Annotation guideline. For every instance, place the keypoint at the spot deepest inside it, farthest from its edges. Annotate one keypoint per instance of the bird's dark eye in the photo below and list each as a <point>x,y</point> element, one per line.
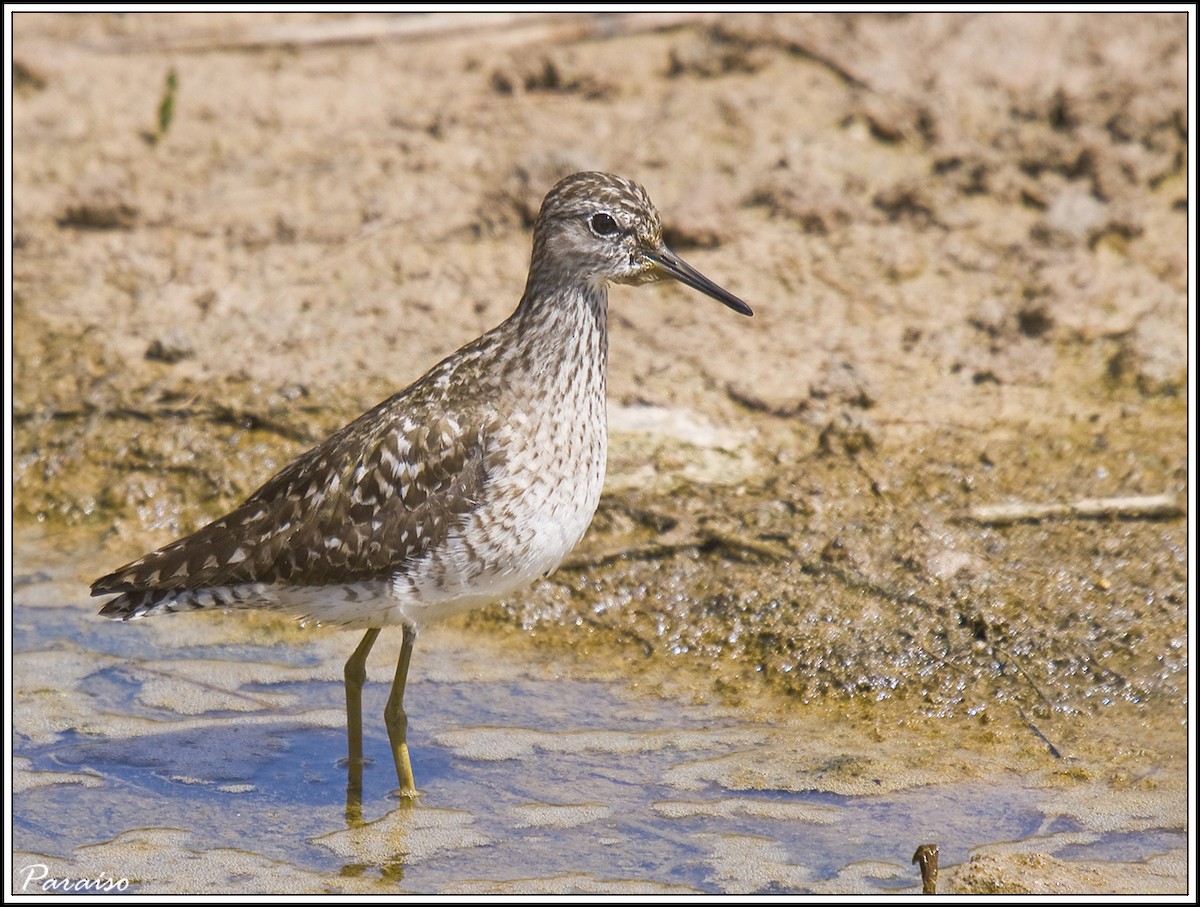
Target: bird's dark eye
<point>604,224</point>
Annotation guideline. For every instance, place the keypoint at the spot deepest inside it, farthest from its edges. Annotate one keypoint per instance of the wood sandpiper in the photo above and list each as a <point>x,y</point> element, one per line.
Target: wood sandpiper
<point>459,490</point>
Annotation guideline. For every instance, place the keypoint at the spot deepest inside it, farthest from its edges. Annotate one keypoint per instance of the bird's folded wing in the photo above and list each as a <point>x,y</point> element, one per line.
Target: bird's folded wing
<point>375,496</point>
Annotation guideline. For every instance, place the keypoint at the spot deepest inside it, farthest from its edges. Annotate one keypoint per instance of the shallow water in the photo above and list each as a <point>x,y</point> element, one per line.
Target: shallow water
<point>202,753</point>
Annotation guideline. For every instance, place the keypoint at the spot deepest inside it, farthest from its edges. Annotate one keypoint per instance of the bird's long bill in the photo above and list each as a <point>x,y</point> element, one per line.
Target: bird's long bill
<point>674,266</point>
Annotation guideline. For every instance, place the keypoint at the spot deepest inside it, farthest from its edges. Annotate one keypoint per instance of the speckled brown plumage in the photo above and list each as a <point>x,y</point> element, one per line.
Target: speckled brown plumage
<point>462,488</point>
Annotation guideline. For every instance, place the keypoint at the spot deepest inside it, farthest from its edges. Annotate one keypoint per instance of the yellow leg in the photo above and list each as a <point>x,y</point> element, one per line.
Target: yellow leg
<point>397,722</point>
<point>356,676</point>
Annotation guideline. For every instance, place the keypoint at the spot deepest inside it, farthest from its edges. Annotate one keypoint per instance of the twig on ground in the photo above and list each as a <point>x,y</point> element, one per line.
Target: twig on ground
<point>1140,506</point>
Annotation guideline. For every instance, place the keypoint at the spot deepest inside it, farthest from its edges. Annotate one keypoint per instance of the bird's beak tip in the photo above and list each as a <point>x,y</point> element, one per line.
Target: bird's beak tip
<point>668,264</point>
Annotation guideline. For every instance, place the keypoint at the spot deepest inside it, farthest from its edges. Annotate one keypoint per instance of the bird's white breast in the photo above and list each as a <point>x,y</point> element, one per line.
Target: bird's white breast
<point>542,492</point>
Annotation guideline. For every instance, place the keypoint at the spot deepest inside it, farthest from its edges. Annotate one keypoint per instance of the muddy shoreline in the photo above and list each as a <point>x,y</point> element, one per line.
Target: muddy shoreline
<point>965,240</point>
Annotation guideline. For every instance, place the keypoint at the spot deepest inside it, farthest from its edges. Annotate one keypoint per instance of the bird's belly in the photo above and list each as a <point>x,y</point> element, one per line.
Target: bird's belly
<point>538,509</point>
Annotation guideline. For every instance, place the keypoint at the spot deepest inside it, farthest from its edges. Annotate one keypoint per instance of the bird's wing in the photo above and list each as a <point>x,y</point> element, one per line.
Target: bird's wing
<point>375,496</point>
